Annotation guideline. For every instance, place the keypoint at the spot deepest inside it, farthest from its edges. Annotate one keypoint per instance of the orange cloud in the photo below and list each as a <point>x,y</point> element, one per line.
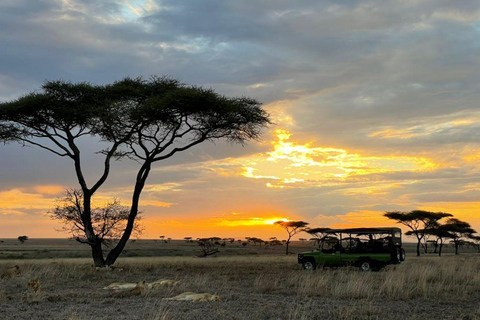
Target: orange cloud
<point>292,164</point>
<point>356,219</point>
<point>17,199</point>
<point>466,211</point>
<point>50,189</point>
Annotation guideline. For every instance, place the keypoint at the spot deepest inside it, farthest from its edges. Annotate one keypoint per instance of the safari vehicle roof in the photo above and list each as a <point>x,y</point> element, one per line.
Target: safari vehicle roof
<point>359,231</point>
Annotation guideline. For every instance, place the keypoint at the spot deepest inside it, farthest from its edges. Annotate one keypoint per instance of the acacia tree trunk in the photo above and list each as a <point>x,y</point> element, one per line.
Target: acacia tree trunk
<point>139,184</point>
<point>440,248</point>
<point>287,244</point>
<point>97,255</point>
<point>456,248</point>
<point>418,247</point>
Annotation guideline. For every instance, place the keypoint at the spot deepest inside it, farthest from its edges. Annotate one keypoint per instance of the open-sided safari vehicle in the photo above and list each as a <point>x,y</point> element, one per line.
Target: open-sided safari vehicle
<point>366,248</point>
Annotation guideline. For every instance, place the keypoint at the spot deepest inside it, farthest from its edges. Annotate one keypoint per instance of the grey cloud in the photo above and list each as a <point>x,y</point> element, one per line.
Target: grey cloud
<point>347,69</point>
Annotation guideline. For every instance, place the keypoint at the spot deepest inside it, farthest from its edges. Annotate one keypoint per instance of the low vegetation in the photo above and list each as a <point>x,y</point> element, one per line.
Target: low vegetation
<point>260,286</point>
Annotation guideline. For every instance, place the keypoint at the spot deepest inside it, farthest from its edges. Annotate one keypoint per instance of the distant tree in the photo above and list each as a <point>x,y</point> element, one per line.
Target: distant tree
<point>440,235</point>
<point>276,243</point>
<point>475,241</point>
<point>292,228</point>
<point>22,239</point>
<point>418,221</point>
<point>187,239</point>
<point>433,243</point>
<point>302,240</point>
<point>208,246</point>
<point>162,237</point>
<point>145,120</point>
<point>319,235</point>
<point>108,222</point>
<point>255,240</point>
<point>457,230</point>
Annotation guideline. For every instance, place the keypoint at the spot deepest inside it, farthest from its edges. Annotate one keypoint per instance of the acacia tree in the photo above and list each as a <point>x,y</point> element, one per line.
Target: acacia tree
<point>22,239</point>
<point>418,221</point>
<point>456,230</point>
<point>108,222</point>
<point>147,120</point>
<point>292,228</point>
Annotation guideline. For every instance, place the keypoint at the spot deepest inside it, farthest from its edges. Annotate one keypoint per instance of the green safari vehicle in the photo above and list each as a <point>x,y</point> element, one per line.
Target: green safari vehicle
<point>366,248</point>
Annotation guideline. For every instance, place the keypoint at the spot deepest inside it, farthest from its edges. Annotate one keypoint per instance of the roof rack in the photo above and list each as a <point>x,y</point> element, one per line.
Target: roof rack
<point>359,231</point>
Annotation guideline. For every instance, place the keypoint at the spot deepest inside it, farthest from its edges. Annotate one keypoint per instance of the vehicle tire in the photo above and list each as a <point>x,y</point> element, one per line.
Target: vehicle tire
<point>366,265</point>
<point>403,255</point>
<point>396,256</point>
<point>309,265</point>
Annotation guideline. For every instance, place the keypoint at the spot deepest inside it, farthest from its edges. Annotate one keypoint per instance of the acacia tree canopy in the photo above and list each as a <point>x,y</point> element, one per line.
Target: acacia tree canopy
<point>292,228</point>
<point>456,229</point>
<point>418,221</point>
<point>147,120</point>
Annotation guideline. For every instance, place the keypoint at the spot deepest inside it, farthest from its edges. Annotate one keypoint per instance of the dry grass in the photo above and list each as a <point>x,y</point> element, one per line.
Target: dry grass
<point>251,287</point>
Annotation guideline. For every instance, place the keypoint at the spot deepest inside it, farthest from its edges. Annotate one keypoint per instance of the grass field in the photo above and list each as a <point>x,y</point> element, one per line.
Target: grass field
<point>253,283</point>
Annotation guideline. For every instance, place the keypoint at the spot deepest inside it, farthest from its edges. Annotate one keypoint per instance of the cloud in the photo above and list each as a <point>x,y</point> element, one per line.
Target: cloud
<point>375,103</point>
<point>18,200</point>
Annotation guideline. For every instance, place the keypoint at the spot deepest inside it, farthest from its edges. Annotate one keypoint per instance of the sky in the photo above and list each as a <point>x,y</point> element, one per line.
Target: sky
<point>374,103</point>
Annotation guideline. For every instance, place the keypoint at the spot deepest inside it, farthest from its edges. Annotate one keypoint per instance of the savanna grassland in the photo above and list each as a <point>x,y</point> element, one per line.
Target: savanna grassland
<point>253,283</point>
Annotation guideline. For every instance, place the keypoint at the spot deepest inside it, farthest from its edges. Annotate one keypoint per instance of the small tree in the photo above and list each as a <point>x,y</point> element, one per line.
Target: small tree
<point>418,221</point>
<point>22,239</point>
<point>292,228</point>
<point>208,246</point>
<point>457,230</point>
<point>108,222</point>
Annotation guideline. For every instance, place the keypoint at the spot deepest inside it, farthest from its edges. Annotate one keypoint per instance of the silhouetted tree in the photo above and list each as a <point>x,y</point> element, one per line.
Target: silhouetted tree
<point>457,230</point>
<point>417,221</point>
<point>22,239</point>
<point>208,246</point>
<point>292,228</point>
<point>107,222</point>
<point>146,120</point>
